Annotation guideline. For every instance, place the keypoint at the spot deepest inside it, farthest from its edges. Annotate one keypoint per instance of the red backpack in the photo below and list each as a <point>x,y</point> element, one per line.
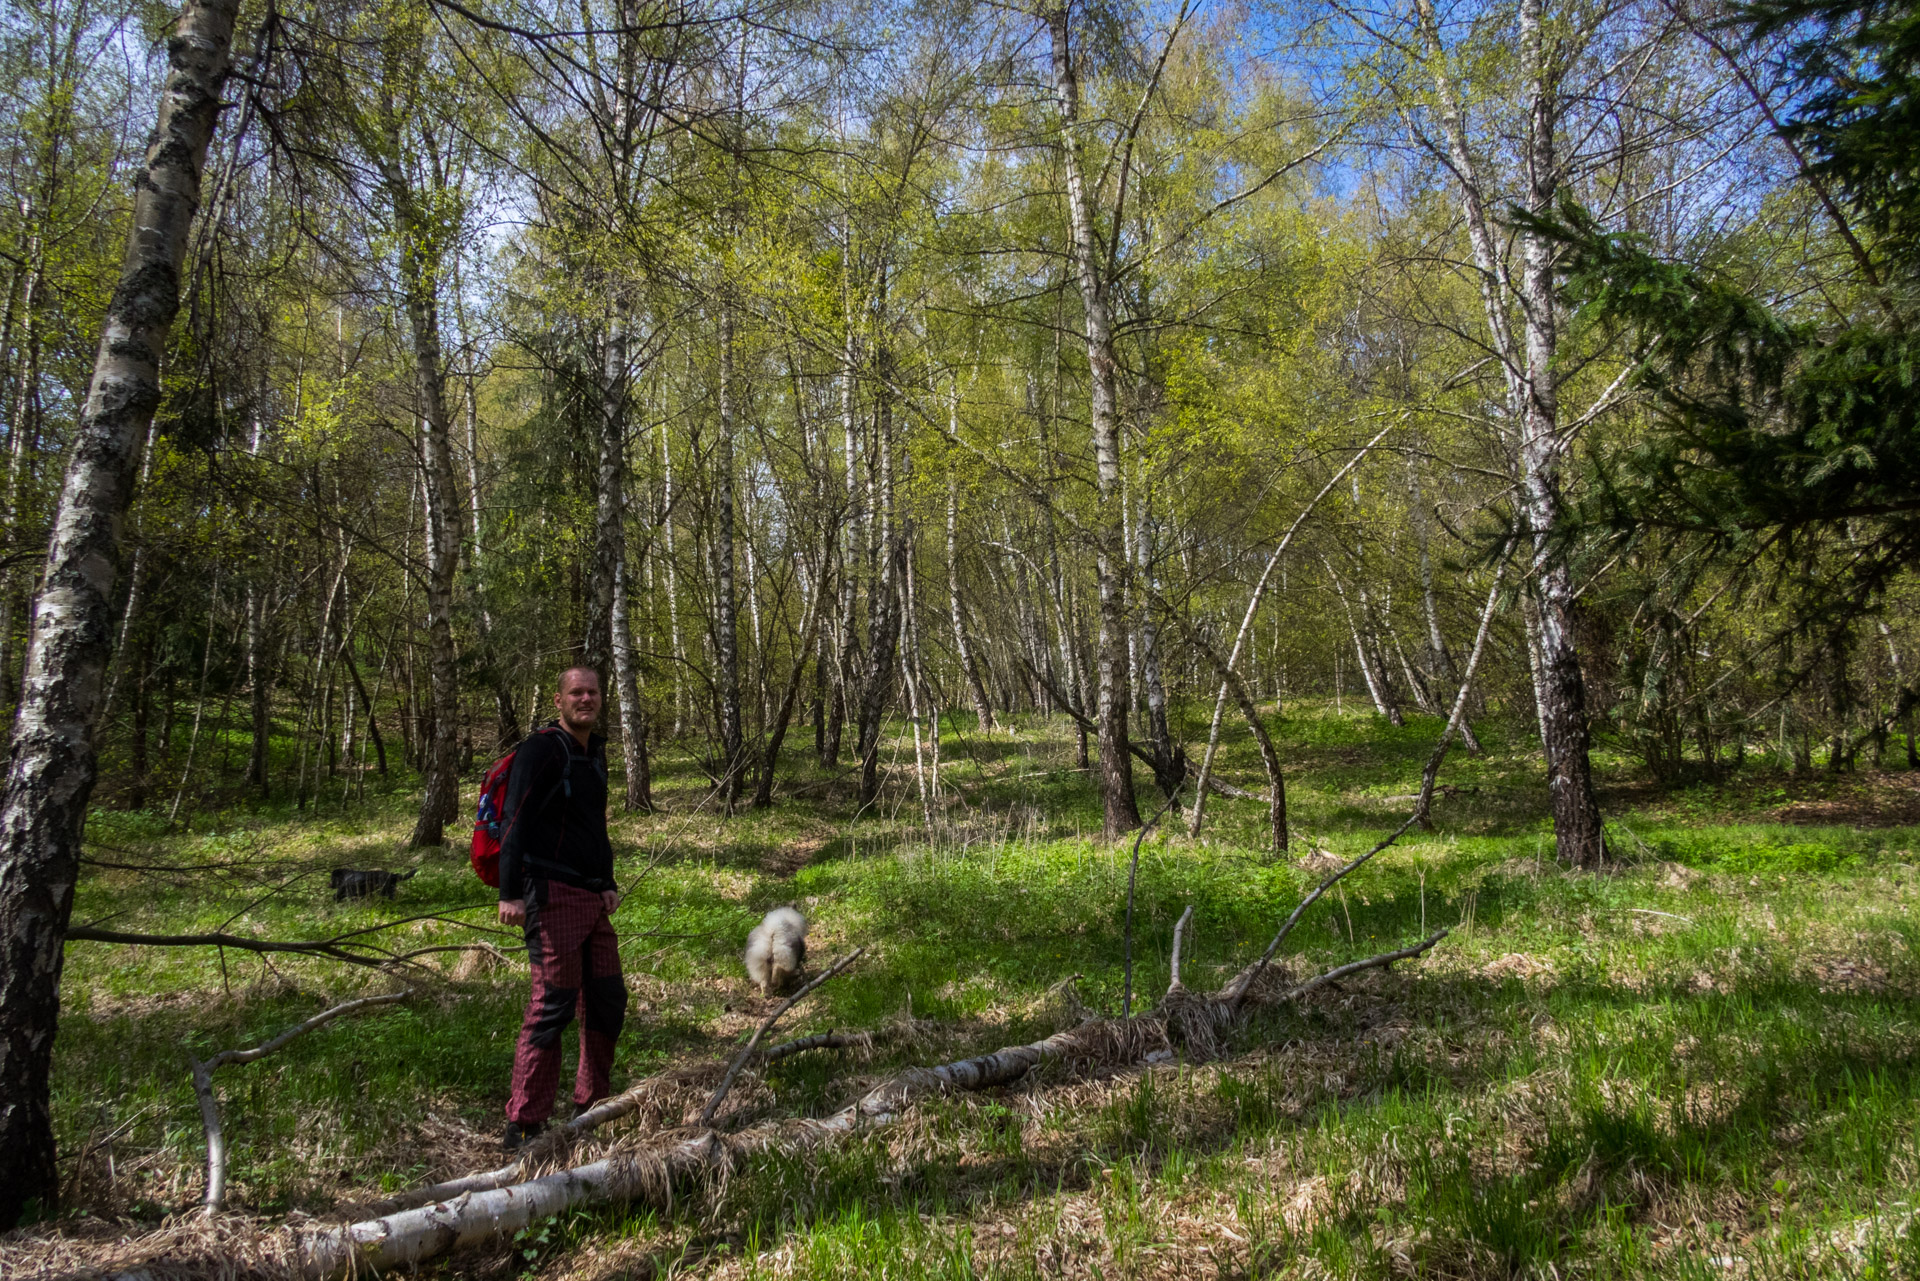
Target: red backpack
<point>490,818</point>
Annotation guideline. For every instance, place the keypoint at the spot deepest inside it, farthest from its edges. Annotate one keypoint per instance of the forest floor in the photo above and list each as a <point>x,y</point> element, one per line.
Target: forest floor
<point>1703,1062</point>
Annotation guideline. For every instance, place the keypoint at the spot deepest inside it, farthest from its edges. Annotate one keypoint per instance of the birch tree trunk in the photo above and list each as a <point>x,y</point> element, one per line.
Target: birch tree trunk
<point>1109,528</point>
<point>803,647</point>
<point>876,688</point>
<point>634,757</point>
<point>1169,765</point>
<point>22,427</point>
<point>1269,755</point>
<point>1372,667</point>
<point>1441,668</point>
<point>609,647</point>
<point>852,552</point>
<point>1527,359</point>
<point>52,766</point>
<point>136,577</point>
<point>506,716</point>
<point>1576,808</point>
<point>969,665</point>
<point>726,620</point>
<point>1246,630</point>
<point>419,264</point>
<point>609,497</point>
<point>883,610</point>
<point>673,583</point>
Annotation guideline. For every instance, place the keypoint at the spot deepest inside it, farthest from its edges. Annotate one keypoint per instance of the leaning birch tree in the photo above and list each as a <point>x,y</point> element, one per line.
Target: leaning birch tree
<point>52,765</point>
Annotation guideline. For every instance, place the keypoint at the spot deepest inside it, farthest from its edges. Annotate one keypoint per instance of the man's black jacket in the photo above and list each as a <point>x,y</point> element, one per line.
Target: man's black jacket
<point>556,810</point>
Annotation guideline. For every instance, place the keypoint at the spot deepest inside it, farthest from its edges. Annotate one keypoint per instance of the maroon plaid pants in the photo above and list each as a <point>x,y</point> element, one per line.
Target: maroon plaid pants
<point>575,957</point>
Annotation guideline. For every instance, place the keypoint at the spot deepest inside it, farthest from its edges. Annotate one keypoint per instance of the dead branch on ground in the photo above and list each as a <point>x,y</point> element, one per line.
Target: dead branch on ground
<point>1179,927</point>
<point>653,1168</point>
<point>348,946</point>
<point>828,1040</point>
<point>210,1105</point>
<point>753,1043</point>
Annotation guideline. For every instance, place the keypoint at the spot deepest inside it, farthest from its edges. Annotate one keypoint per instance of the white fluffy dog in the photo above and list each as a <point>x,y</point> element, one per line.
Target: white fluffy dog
<point>777,950</point>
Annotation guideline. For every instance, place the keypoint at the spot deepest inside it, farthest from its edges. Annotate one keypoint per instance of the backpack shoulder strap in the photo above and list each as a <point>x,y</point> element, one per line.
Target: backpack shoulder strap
<point>566,761</point>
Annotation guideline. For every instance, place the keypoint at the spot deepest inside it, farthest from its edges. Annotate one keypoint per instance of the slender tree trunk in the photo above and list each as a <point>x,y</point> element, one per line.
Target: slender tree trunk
<point>876,687</point>
<point>1576,808</point>
<point>726,620</point>
<point>1169,765</point>
<point>420,287</point>
<point>136,579</point>
<point>673,586</point>
<point>366,706</point>
<point>1440,665</point>
<point>260,681</point>
<point>1269,754</point>
<point>1246,630</point>
<point>803,647</point>
<point>22,441</point>
<point>752,594</point>
<point>909,677</point>
<point>1372,668</point>
<point>1901,696</point>
<point>1116,766</point>
<point>506,719</point>
<point>137,765</point>
<point>609,508</point>
<point>626,684</point>
<point>199,703</point>
<point>1533,408</point>
<point>883,613</point>
<point>320,685</point>
<point>51,769</point>
<point>969,665</point>
<point>852,553</point>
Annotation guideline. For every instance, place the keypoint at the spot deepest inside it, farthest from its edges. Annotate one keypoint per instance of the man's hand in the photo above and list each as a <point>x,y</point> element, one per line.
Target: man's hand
<point>513,911</point>
<point>611,898</point>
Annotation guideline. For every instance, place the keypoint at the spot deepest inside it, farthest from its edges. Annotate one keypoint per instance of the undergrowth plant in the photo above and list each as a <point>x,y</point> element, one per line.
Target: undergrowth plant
<point>1699,1062</point>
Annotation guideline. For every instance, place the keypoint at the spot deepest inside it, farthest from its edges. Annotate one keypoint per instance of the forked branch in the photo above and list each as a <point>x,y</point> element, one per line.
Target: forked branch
<point>766,1025</point>
<point>210,1105</point>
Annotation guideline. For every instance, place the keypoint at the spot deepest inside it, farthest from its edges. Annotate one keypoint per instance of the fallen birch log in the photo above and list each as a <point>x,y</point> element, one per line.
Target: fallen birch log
<point>666,1166</point>
<point>654,1174</point>
<point>624,1104</point>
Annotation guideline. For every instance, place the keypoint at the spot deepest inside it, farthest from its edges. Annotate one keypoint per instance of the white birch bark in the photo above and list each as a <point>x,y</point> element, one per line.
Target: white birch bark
<point>1116,767</point>
<point>52,764</point>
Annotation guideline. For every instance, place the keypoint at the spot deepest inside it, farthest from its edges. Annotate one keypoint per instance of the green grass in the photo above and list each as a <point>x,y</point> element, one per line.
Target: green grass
<point>1702,1063</point>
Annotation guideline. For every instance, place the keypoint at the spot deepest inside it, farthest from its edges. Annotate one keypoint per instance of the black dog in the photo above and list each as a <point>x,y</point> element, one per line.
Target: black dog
<point>351,882</point>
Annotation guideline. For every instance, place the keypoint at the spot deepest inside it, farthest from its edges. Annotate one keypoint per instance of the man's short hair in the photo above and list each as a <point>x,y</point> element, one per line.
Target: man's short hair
<point>565,672</point>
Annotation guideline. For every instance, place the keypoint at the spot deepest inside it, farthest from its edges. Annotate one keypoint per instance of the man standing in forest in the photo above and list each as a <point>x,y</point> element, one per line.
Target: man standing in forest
<point>556,882</point>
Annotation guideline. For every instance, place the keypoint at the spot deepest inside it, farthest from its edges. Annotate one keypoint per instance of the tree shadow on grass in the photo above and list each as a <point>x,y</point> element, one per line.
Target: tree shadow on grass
<point>1457,1203</point>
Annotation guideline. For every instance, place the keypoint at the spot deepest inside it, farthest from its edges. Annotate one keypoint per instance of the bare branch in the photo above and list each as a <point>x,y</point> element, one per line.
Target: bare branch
<point>210,1106</point>
<point>818,1041</point>
<point>1179,927</point>
<point>766,1025</point>
<point>1385,958</point>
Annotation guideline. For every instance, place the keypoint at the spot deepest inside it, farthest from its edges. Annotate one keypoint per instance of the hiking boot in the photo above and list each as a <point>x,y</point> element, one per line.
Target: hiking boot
<point>521,1133</point>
